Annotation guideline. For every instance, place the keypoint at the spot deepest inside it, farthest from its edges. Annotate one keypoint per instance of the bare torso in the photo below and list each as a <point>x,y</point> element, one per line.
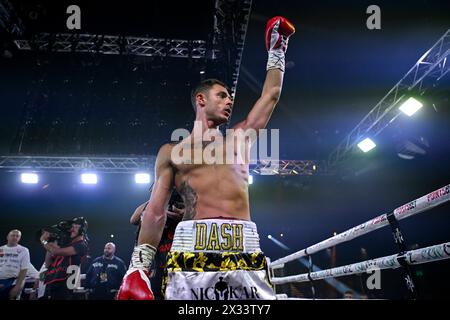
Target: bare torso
<point>213,190</point>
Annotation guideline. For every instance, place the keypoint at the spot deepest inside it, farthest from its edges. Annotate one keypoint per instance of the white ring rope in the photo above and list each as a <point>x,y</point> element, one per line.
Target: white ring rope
<point>418,256</point>
<point>422,204</point>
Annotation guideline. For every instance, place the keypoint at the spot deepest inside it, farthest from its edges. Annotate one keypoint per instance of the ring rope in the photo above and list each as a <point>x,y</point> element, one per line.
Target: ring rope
<point>413,257</point>
<point>419,205</point>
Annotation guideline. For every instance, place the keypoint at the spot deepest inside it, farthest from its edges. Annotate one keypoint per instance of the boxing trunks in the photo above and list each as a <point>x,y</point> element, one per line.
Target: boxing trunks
<point>216,259</point>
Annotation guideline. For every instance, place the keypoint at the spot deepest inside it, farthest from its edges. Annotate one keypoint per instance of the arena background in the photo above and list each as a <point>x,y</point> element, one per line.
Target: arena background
<point>337,70</point>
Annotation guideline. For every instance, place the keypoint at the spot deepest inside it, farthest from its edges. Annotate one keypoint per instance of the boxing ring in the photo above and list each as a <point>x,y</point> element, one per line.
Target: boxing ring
<point>402,259</point>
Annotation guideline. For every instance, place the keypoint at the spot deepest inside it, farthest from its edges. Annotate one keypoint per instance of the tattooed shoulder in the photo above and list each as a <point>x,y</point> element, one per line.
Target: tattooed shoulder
<point>190,200</point>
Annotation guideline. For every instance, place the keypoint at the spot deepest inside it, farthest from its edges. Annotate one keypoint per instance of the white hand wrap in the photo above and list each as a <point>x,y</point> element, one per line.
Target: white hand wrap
<point>143,256</point>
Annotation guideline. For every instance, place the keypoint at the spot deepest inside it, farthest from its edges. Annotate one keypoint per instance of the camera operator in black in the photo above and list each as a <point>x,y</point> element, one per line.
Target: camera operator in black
<point>66,248</point>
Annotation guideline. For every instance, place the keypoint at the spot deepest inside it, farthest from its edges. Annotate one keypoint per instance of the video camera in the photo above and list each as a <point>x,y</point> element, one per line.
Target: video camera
<point>61,231</point>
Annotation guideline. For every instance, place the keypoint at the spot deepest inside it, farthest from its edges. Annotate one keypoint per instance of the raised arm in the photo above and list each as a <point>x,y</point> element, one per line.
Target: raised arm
<point>261,112</point>
<point>278,31</point>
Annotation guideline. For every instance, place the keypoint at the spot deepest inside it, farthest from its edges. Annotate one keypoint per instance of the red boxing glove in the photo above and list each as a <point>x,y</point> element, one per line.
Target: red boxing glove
<point>278,31</point>
<point>135,286</point>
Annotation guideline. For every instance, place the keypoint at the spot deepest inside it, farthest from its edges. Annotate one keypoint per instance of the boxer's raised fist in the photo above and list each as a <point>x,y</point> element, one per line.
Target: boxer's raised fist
<point>278,31</point>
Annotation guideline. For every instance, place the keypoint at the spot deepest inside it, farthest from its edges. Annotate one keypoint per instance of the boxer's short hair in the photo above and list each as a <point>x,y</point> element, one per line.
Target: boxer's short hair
<point>204,87</point>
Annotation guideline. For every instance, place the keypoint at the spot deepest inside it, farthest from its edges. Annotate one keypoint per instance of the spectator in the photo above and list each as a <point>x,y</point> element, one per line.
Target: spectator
<point>348,294</point>
<point>105,274</point>
<point>14,263</point>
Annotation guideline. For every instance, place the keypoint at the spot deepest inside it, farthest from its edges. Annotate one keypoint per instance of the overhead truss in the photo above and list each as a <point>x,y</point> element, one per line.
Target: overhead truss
<point>427,72</point>
<point>138,164</point>
<point>114,45</point>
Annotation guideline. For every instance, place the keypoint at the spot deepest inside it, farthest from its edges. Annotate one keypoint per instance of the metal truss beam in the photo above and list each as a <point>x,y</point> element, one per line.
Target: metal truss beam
<point>428,70</point>
<point>231,19</point>
<point>133,165</point>
<point>289,167</point>
<point>9,19</point>
<point>114,45</point>
<point>74,164</point>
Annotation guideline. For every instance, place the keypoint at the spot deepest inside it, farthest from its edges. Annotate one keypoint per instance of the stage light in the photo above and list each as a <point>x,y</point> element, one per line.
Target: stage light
<point>30,178</point>
<point>142,178</point>
<point>269,236</point>
<point>366,145</point>
<point>410,106</point>
<point>250,179</point>
<point>89,178</point>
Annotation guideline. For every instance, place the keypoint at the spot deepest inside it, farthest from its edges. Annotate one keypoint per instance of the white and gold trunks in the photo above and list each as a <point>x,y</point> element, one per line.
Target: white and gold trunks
<point>216,259</point>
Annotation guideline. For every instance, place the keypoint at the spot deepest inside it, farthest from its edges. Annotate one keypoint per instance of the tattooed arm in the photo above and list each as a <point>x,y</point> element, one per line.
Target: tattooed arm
<point>154,217</point>
<point>190,200</point>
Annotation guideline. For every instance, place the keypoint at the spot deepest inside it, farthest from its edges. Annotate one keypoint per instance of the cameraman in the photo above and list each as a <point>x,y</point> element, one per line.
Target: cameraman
<point>59,258</point>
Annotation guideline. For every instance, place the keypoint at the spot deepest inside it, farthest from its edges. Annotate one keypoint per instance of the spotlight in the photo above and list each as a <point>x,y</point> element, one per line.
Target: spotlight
<point>30,178</point>
<point>410,106</point>
<point>112,236</point>
<point>142,178</point>
<point>366,145</point>
<point>250,179</point>
<point>269,236</point>
<point>89,178</point>
<point>281,235</point>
